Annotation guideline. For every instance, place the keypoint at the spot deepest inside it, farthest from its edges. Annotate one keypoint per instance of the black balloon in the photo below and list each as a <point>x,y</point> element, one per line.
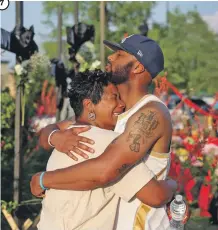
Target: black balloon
<point>78,35</point>
<point>19,41</point>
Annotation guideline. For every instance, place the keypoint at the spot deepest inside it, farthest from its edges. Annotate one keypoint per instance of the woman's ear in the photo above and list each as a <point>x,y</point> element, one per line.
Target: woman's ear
<point>139,68</point>
<point>88,105</point>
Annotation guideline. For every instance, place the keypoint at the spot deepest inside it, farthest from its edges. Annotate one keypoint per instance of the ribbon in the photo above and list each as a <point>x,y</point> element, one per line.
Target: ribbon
<point>189,102</point>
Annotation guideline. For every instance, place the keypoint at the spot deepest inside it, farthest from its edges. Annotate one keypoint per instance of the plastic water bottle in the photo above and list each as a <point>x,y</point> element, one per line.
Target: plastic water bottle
<point>177,209</point>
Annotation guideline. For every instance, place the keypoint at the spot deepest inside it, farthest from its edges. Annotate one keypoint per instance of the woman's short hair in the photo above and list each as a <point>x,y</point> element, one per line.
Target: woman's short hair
<point>87,85</point>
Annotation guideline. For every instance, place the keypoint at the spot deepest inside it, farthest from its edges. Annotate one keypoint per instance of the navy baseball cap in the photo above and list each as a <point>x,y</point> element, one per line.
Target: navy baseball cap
<point>146,51</point>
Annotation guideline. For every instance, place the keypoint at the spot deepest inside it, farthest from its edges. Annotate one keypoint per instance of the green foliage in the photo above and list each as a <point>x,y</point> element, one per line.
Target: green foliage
<point>38,69</point>
<point>8,108</point>
<point>7,143</point>
<point>50,9</point>
<point>34,158</point>
<point>35,163</point>
<point>9,206</point>
<point>191,52</point>
<point>130,17</point>
<point>190,47</point>
<point>126,17</point>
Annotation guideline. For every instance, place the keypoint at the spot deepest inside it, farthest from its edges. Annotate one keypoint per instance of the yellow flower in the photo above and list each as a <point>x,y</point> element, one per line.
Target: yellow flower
<point>182,154</point>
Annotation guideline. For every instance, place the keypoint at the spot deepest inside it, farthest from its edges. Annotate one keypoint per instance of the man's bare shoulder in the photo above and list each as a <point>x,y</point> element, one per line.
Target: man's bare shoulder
<point>149,120</point>
<point>153,110</point>
<point>159,107</point>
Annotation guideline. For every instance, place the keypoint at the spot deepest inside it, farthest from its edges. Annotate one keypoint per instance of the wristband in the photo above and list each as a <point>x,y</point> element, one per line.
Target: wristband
<point>49,137</point>
<point>40,181</point>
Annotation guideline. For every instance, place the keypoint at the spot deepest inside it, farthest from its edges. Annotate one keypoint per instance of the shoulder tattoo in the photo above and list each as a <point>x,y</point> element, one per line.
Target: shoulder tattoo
<point>143,128</point>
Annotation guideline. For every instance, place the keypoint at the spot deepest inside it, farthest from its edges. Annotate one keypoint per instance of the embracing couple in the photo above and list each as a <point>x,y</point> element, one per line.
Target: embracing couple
<point>123,186</point>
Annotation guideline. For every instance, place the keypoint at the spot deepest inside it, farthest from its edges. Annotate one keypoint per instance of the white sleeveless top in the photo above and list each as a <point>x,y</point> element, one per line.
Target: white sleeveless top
<point>135,215</point>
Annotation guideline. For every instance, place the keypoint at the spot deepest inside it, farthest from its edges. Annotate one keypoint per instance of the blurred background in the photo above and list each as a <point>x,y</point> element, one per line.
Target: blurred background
<point>44,44</point>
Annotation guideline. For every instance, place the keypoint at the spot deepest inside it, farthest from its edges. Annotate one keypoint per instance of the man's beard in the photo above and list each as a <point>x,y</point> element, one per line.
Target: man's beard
<point>121,74</point>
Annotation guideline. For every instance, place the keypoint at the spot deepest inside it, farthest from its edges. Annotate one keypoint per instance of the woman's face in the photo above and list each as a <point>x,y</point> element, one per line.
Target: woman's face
<point>108,109</point>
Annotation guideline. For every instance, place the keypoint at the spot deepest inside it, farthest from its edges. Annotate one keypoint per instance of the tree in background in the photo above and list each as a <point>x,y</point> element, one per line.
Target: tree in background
<point>35,158</point>
<point>121,18</point>
<point>7,143</point>
<point>50,9</point>
<point>191,52</point>
<point>190,47</point>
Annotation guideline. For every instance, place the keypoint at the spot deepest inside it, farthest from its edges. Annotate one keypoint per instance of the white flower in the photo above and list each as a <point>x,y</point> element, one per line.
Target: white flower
<point>96,64</point>
<point>19,69</point>
<point>39,61</point>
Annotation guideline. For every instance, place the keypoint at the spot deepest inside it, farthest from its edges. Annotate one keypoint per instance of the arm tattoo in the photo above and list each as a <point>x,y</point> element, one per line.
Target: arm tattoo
<point>143,128</point>
<point>135,144</point>
<point>123,168</point>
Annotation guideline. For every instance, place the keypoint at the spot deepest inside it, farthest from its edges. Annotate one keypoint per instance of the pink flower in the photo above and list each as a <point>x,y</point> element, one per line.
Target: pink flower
<point>210,148</point>
<point>197,163</point>
<point>193,159</point>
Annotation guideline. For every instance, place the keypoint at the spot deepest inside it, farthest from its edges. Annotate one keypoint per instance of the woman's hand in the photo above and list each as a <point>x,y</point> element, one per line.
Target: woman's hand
<point>69,142</point>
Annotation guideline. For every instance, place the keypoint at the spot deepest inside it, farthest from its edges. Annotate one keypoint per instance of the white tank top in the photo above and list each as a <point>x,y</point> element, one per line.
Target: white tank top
<point>123,118</point>
<point>134,215</point>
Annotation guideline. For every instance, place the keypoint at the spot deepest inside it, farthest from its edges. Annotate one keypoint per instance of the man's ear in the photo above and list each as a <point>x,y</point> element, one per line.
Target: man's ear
<point>88,105</point>
<point>139,68</point>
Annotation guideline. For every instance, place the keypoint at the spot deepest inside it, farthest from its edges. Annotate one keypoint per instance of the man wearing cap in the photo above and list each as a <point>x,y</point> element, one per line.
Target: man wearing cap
<point>145,130</point>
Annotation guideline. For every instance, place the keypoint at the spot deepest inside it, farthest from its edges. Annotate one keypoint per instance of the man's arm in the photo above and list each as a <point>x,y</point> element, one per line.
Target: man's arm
<point>157,193</point>
<point>139,182</point>
<point>143,129</point>
<point>66,140</point>
<point>45,132</point>
<point>154,193</point>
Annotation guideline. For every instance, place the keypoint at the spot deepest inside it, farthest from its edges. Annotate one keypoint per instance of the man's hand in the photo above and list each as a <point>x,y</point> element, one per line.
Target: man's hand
<point>69,142</point>
<point>36,190</point>
<point>66,140</point>
<point>186,216</point>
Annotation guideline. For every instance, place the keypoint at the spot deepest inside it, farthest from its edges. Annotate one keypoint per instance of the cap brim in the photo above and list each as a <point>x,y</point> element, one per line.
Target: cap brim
<point>113,46</point>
